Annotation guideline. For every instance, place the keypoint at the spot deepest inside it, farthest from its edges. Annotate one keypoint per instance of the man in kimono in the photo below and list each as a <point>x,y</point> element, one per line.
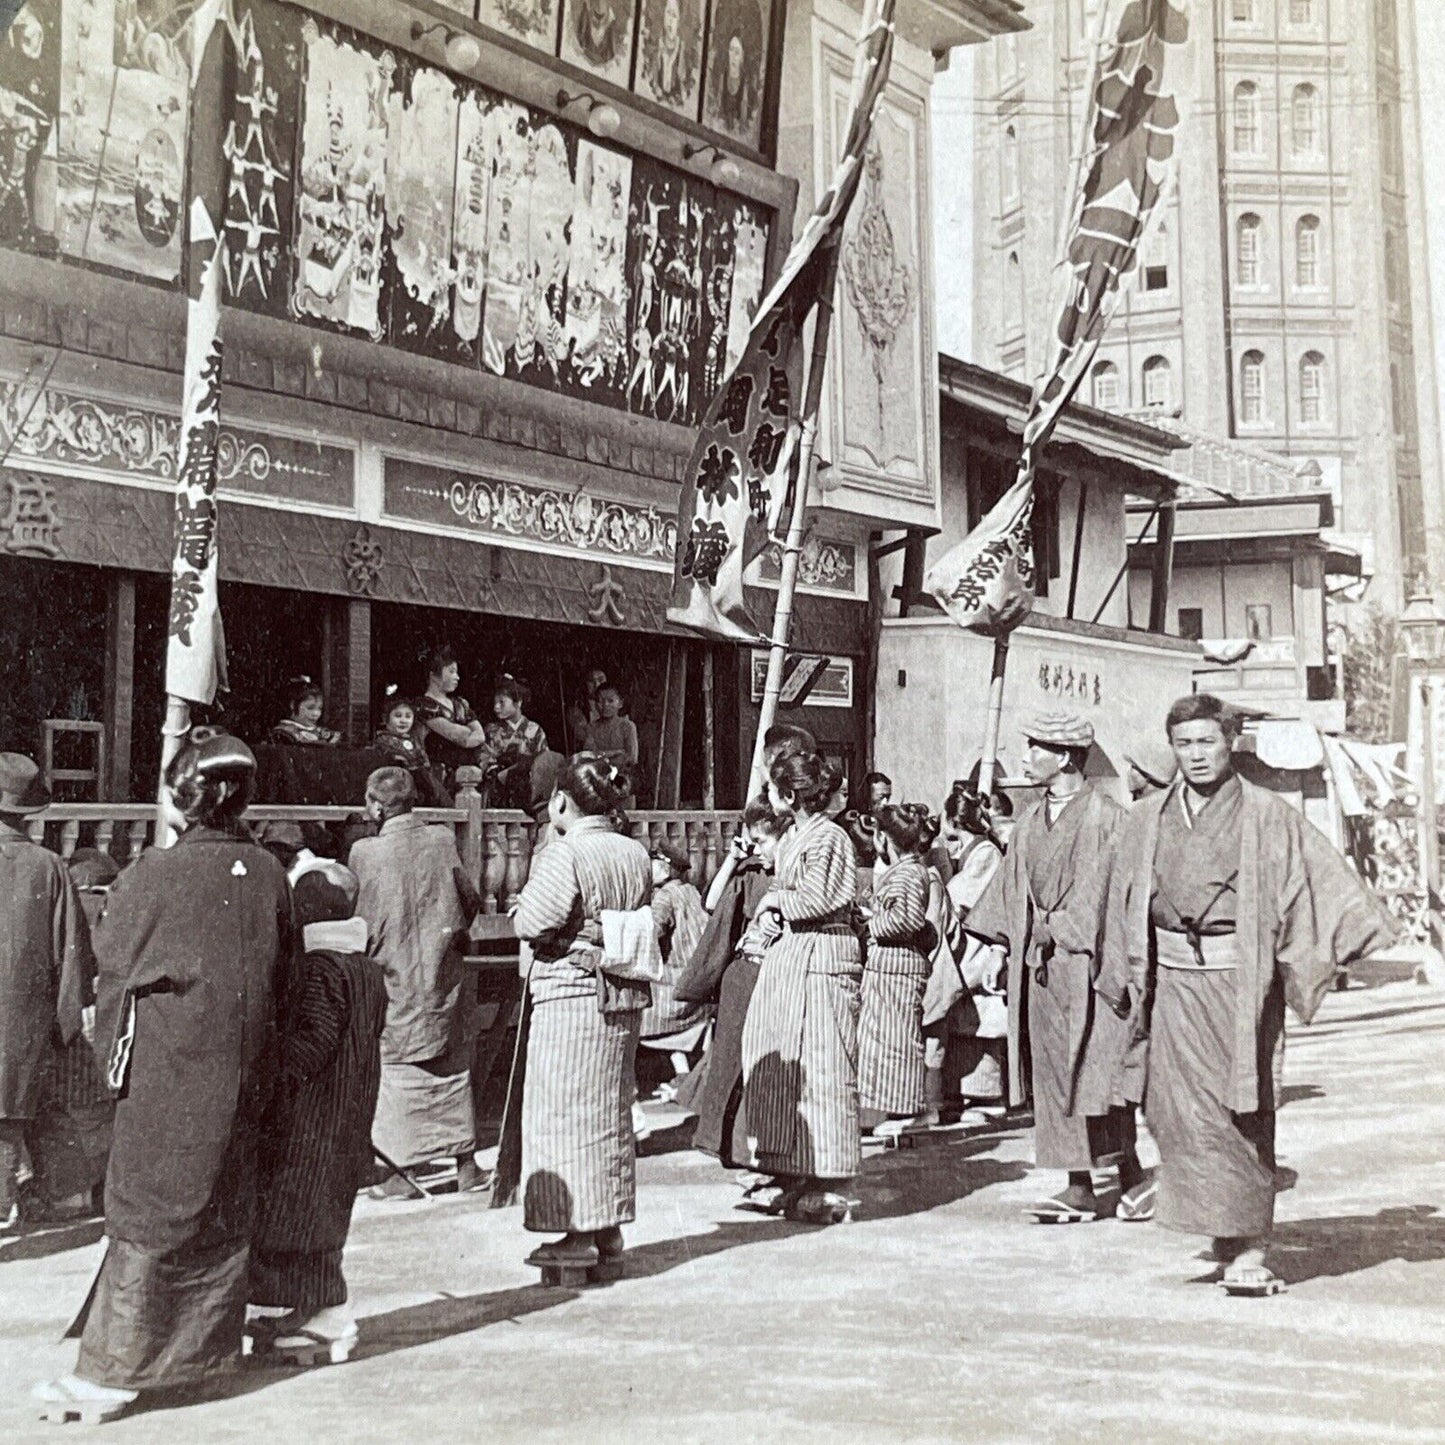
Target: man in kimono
<point>1222,904</point>
<point>417,903</point>
<point>1044,905</point>
<point>45,968</point>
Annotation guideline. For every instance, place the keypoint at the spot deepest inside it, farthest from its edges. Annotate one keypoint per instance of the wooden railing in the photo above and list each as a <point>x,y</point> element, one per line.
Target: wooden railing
<point>495,844</point>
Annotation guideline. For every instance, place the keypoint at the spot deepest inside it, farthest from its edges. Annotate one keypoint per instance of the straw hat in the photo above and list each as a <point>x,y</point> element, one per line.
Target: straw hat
<point>1060,730</point>
<point>21,789</point>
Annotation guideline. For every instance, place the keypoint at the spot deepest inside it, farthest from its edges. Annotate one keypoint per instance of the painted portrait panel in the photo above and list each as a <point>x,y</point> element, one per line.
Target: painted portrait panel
<point>532,21</point>
<point>596,325</point>
<point>665,262</point>
<point>124,83</point>
<point>261,143</point>
<point>421,142</point>
<point>471,199</point>
<point>29,103</point>
<point>342,196</point>
<point>669,54</point>
<point>597,36</point>
<point>737,67</point>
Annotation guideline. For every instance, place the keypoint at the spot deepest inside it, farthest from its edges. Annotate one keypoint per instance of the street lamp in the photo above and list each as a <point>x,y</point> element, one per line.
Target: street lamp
<point>1422,624</point>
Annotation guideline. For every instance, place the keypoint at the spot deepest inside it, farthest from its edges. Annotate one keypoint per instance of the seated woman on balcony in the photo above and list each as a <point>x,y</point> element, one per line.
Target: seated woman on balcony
<point>450,730</point>
<point>613,736</point>
<point>302,726</point>
<point>514,742</point>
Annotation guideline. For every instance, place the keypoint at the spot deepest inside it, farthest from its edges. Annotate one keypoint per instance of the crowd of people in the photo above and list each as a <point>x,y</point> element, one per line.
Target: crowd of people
<point>852,971</point>
<point>437,731</point>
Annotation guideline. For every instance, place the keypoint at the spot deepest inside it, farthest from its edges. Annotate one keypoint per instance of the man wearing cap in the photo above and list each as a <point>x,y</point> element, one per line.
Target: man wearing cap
<point>1044,905</point>
<point>45,963</point>
<point>1221,905</point>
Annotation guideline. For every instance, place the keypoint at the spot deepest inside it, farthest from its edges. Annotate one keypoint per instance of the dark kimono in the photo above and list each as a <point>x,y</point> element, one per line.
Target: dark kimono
<point>318,1138</point>
<point>198,937</point>
<point>1214,922</point>
<point>45,966</point>
<point>719,969</point>
<point>445,754</point>
<point>1045,903</point>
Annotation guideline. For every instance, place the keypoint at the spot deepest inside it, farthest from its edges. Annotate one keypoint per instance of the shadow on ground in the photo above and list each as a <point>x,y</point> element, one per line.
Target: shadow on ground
<point>1306,1249</point>
<point>51,1239</point>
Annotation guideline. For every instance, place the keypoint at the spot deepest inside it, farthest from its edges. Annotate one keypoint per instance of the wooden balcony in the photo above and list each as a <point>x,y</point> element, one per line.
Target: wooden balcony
<point>495,844</point>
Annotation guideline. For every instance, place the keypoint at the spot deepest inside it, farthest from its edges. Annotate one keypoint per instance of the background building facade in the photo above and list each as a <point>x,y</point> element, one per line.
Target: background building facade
<point>1284,299</point>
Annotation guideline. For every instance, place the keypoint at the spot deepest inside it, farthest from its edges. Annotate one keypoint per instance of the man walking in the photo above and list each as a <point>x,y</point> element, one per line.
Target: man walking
<point>1045,905</point>
<point>45,968</point>
<point>1222,905</point>
<point>417,902</point>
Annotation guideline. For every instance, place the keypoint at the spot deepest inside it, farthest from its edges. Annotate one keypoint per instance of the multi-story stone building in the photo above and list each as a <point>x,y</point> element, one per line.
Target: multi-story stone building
<point>1284,299</point>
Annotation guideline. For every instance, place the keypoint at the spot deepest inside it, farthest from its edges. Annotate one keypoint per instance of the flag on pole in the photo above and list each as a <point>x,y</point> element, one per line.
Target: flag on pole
<point>986,582</point>
<point>195,648</point>
<point>747,447</point>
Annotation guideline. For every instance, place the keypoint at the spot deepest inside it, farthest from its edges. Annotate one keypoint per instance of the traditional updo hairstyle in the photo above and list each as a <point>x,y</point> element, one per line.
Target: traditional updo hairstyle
<point>436,660</point>
<point>910,827</point>
<point>808,777</point>
<point>298,690</point>
<point>519,692</point>
<point>759,815</point>
<point>965,808</point>
<point>784,738</point>
<point>596,786</point>
<point>211,778</point>
<point>1202,707</point>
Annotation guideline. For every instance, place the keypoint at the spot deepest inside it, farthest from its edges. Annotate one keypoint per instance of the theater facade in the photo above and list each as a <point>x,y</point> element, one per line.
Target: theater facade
<point>485,265</point>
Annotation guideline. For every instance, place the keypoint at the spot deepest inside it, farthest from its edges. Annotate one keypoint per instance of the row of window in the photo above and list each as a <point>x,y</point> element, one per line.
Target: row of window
<point>1249,251</point>
<point>1306,131</point>
<point>1158,387</point>
<point>1301,12</point>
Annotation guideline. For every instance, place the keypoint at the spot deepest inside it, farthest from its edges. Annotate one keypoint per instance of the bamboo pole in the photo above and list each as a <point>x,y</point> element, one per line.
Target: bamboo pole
<point>988,762</point>
<point>793,546</point>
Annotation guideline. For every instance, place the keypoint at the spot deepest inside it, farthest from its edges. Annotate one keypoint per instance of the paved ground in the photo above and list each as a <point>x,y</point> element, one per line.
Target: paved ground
<point>939,1315</point>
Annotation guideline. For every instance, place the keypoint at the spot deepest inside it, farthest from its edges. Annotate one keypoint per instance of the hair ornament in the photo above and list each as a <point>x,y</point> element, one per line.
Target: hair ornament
<point>391,689</point>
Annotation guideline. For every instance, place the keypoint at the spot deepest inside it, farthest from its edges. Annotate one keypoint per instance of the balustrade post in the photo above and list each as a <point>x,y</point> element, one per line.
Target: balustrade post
<point>469,799</point>
<point>519,863</point>
<point>494,868</point>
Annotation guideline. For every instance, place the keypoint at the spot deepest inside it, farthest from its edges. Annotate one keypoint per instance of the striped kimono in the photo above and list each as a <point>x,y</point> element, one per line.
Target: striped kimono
<point>895,979</point>
<point>578,1164</point>
<point>800,1042</point>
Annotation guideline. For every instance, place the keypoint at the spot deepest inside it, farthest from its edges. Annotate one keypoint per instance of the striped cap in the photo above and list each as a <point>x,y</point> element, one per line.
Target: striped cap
<point>1060,730</point>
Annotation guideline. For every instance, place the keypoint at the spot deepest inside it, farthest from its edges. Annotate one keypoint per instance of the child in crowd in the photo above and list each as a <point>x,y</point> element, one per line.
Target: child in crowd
<point>514,742</point>
<point>396,739</point>
<point>678,916</point>
<point>306,702</point>
<point>896,970</point>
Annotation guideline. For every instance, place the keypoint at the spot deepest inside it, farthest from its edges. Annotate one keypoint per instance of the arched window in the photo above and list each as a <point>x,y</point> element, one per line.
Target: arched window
<point>1247,249</point>
<point>1010,167</point>
<point>1156,260</point>
<point>1158,390</point>
<point>1246,118</point>
<point>1305,120</point>
<point>1301,12</point>
<point>1106,385</point>
<point>1251,388</point>
<point>1311,387</point>
<point>1013,295</point>
<point>1307,251</point>
<point>1394,289</point>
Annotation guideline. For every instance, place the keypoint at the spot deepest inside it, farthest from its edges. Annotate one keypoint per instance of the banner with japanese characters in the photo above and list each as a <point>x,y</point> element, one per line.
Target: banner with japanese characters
<point>195,645</point>
<point>737,483</point>
<point>986,582</point>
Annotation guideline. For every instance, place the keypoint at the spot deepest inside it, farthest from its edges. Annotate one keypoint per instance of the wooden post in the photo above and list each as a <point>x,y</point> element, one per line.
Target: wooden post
<point>346,667</point>
<point>1163,572</point>
<point>873,642</point>
<point>793,546</point>
<point>709,734</point>
<point>1080,506</point>
<point>469,800</point>
<point>669,752</point>
<point>995,716</point>
<point>119,689</point>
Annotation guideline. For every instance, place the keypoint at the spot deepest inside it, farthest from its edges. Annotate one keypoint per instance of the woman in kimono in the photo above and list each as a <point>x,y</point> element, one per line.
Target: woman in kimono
<point>578,1162</point>
<point>195,954</point>
<point>670,1025</point>
<point>725,967</point>
<point>301,727</point>
<point>901,943</point>
<point>800,1043</point>
<point>514,743</point>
